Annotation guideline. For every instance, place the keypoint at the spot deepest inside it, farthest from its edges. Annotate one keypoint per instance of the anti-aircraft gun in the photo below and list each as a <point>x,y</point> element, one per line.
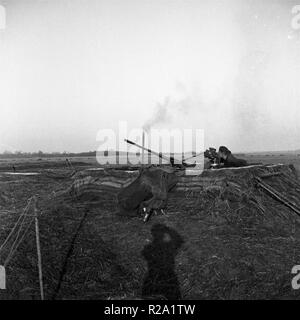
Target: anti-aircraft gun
<point>170,159</point>
<point>212,155</point>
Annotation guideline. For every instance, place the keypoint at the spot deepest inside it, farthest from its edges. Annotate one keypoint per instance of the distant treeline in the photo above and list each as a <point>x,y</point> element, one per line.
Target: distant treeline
<point>41,154</point>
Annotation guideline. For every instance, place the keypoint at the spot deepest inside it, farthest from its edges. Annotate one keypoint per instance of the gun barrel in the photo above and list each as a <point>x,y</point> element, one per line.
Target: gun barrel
<point>148,150</point>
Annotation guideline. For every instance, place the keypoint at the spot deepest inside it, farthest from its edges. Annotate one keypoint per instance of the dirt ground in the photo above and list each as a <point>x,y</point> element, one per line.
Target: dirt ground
<point>89,252</point>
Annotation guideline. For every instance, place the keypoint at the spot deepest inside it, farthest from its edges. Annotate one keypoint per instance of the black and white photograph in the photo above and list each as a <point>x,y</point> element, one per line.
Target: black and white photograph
<point>149,150</point>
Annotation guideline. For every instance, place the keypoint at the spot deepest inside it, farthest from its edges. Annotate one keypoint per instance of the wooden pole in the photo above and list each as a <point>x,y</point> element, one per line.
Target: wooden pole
<point>143,150</point>
<point>38,248</point>
<point>277,195</point>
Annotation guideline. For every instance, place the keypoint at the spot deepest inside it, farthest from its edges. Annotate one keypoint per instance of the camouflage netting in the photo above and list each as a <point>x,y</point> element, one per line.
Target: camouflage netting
<point>237,185</point>
<point>234,194</point>
<point>237,241</point>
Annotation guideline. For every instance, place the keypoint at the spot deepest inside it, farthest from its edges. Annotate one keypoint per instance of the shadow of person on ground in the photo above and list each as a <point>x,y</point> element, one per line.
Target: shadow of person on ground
<point>161,280</point>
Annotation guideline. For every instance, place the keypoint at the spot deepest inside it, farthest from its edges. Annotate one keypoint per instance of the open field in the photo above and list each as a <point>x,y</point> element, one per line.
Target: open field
<point>222,249</point>
<point>272,157</point>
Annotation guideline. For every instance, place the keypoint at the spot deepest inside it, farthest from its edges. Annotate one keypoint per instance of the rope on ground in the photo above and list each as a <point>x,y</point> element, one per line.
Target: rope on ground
<point>18,234</point>
<point>68,255</point>
<point>17,224</point>
<point>17,244</point>
<point>20,226</point>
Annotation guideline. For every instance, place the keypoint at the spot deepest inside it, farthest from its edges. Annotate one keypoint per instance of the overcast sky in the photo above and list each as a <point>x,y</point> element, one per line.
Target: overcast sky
<point>69,68</point>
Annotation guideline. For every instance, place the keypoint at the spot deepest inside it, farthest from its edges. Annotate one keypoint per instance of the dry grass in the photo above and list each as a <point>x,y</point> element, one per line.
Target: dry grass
<point>239,243</point>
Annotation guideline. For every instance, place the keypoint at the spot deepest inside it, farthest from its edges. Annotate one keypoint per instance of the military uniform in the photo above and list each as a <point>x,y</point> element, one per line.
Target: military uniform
<point>232,161</point>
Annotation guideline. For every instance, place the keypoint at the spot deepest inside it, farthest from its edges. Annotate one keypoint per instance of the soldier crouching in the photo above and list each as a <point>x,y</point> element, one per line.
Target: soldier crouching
<point>227,159</point>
